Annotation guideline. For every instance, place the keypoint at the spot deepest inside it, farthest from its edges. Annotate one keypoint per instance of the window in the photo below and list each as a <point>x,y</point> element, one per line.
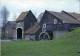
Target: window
<point>63,21</point>
<point>44,25</point>
<point>55,21</point>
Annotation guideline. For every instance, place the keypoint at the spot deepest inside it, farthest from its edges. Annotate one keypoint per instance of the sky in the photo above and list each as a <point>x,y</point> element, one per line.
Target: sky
<point>15,7</point>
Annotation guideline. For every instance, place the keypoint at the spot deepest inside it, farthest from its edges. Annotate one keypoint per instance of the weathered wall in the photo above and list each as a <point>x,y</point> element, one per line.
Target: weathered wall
<point>58,34</point>
<point>30,37</point>
<point>29,20</point>
<point>19,25</point>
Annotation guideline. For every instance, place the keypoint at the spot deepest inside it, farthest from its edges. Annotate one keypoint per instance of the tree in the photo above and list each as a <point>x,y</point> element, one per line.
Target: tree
<point>4,15</point>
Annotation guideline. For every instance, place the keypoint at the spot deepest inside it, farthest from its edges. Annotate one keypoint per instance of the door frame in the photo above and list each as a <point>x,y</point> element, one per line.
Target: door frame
<point>16,32</point>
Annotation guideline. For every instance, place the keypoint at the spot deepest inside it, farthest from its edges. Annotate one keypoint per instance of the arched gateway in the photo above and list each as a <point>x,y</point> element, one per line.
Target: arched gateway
<point>19,33</point>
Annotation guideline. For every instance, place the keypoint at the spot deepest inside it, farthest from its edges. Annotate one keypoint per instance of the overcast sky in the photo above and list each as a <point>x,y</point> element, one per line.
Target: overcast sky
<point>37,6</point>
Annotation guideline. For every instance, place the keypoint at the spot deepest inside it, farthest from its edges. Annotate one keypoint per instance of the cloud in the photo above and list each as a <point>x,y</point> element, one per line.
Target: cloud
<point>38,6</point>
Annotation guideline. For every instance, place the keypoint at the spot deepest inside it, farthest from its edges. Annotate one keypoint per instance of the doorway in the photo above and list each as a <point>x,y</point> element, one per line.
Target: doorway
<point>19,33</point>
<point>51,35</point>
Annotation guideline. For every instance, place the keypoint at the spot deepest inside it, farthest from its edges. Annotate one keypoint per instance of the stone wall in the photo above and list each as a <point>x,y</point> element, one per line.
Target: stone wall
<point>20,25</point>
<point>30,37</point>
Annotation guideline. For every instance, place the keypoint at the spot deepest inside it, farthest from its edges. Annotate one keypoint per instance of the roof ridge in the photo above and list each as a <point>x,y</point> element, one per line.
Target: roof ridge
<point>70,15</point>
<point>22,15</point>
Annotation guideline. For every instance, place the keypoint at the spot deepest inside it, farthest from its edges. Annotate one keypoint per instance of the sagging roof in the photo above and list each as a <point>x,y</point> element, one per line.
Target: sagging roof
<point>22,16</point>
<point>33,29</point>
<point>75,16</point>
<point>65,18</point>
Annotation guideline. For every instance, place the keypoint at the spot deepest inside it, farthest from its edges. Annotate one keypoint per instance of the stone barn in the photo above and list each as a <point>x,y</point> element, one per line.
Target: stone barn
<point>25,21</point>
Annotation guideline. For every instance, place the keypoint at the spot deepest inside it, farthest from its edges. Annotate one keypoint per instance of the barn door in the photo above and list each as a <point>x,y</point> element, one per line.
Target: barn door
<point>19,33</point>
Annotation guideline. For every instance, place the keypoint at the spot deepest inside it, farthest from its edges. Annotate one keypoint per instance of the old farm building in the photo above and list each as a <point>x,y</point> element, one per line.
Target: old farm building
<point>23,23</point>
<point>57,23</point>
<point>51,25</point>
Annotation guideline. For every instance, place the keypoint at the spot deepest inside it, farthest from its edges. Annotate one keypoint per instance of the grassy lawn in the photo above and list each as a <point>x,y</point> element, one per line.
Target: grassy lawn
<point>69,45</point>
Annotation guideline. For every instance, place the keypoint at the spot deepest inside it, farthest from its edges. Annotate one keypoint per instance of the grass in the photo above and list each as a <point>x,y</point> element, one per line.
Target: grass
<point>69,45</point>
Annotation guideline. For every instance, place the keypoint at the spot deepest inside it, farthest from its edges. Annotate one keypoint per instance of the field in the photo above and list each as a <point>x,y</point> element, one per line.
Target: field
<point>69,45</point>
